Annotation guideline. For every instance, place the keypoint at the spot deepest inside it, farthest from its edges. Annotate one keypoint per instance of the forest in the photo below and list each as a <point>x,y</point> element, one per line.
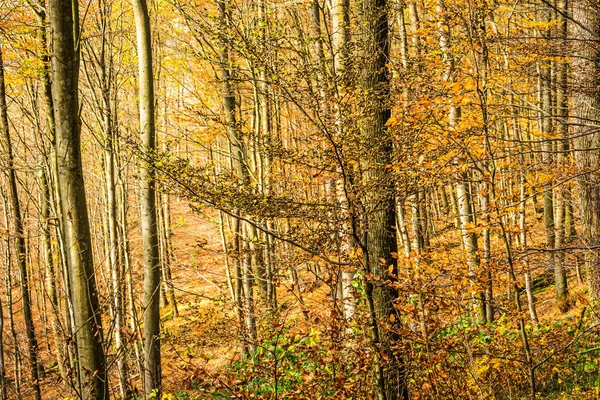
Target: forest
<point>299,199</point>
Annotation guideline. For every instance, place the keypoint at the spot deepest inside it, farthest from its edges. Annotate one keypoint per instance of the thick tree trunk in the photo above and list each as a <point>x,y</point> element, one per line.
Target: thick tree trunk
<point>152,270</point>
<point>586,114</point>
<point>51,174</point>
<point>84,295</point>
<point>380,242</point>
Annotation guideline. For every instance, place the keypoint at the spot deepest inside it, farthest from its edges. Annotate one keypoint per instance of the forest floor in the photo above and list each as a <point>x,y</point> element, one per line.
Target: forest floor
<point>201,340</point>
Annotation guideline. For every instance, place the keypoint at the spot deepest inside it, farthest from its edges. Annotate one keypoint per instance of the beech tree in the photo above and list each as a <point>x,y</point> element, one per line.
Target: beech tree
<point>152,270</point>
<point>91,359</point>
<point>586,101</point>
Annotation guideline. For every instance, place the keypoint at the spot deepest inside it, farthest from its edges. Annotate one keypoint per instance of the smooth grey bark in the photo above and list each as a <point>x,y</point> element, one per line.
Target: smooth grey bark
<point>249,309</point>
<point>163,299</point>
<point>415,25</point>
<point>484,198</point>
<point>152,270</point>
<point>86,310</point>
<point>19,235</point>
<point>482,62</point>
<point>403,36</point>
<point>53,195</point>
<point>469,240</point>
<point>315,18</point>
<point>263,256</point>
<point>560,276</point>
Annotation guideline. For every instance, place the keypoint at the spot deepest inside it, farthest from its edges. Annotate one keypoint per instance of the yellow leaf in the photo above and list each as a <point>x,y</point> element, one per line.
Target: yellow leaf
<point>393,121</point>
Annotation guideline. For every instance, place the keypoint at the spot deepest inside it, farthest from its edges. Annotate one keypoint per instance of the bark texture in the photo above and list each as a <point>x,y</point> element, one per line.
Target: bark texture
<point>380,241</point>
<point>86,311</point>
<point>152,270</point>
<point>586,115</point>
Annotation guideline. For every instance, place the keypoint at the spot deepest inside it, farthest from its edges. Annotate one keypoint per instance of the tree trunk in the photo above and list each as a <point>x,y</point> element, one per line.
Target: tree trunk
<point>402,227</point>
<point>116,266</point>
<point>19,234</point>
<point>152,270</point>
<point>51,274</point>
<point>86,310</point>
<point>586,114</point>
<point>560,276</point>
<point>3,392</point>
<point>9,301</point>
<point>168,277</point>
<point>380,242</point>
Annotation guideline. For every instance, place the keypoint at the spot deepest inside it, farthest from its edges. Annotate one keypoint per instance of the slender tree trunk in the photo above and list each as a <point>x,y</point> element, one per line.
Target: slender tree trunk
<point>9,301</point>
<point>116,266</point>
<point>54,193</point>
<point>340,18</point>
<point>464,206</point>
<point>51,274</point>
<point>239,285</point>
<point>547,127</point>
<point>417,231</point>
<point>560,276</point>
<point>163,299</point>
<point>402,227</point>
<point>19,234</point>
<point>168,277</point>
<point>249,308</point>
<point>3,391</point>
<point>240,160</point>
<point>487,253</point>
